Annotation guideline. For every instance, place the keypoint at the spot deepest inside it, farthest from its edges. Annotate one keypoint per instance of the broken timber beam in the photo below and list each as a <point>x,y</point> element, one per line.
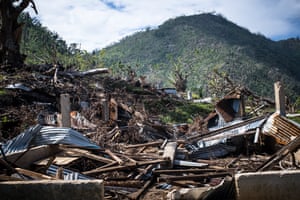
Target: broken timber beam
<point>144,171</point>
<point>193,177</point>
<point>88,155</point>
<point>114,156</point>
<point>33,174</point>
<point>195,171</point>
<point>156,143</point>
<point>279,98</point>
<point>65,110</point>
<point>169,153</point>
<point>291,147</point>
<point>136,195</point>
<point>125,167</point>
<point>282,153</point>
<point>125,183</point>
<point>90,72</point>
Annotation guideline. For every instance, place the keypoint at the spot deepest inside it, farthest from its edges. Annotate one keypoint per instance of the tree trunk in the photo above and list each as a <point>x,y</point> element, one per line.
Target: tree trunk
<point>10,33</point>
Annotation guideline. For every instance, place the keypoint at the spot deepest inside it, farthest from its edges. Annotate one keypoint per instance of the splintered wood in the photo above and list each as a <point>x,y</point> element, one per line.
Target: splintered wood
<point>139,157</point>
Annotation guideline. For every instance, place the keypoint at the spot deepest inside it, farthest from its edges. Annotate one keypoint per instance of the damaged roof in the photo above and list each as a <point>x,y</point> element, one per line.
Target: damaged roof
<point>44,135</point>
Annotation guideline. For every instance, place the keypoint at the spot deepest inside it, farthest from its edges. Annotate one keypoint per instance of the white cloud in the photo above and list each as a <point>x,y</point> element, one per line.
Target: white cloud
<point>98,23</point>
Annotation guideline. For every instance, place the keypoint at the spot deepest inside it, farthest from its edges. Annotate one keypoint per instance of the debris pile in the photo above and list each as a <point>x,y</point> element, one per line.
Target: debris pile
<point>88,126</point>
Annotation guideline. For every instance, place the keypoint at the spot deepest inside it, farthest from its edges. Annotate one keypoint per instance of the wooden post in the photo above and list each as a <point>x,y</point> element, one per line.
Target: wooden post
<point>169,153</point>
<point>189,95</point>
<point>105,110</point>
<point>65,110</point>
<point>113,109</point>
<point>242,106</point>
<point>279,98</point>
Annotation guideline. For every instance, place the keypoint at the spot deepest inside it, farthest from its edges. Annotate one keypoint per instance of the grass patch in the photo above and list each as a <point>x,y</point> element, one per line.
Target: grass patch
<point>295,119</point>
<point>2,92</point>
<point>172,111</point>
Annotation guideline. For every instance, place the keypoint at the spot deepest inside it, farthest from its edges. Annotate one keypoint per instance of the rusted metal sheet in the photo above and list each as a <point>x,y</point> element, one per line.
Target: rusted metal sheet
<point>226,108</point>
<point>281,128</point>
<point>291,147</point>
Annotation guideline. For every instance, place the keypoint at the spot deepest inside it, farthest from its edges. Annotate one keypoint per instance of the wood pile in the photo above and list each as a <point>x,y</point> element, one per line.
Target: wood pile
<point>137,155</point>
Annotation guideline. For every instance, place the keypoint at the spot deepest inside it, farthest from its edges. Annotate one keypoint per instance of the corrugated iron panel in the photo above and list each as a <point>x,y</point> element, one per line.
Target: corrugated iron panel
<point>22,141</point>
<point>281,128</point>
<point>44,135</point>
<point>215,151</point>
<point>68,174</point>
<point>235,130</point>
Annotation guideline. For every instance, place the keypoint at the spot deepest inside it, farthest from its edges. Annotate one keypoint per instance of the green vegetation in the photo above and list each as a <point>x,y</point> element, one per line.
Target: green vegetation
<point>194,46</point>
<point>42,46</point>
<point>296,119</point>
<point>201,43</point>
<point>172,111</point>
<point>186,112</point>
<point>2,92</point>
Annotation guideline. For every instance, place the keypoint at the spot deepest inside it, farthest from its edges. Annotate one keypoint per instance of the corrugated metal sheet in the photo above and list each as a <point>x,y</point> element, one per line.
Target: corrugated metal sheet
<point>68,174</point>
<point>215,151</point>
<point>281,128</point>
<point>20,86</point>
<point>44,135</point>
<point>22,141</point>
<point>235,130</point>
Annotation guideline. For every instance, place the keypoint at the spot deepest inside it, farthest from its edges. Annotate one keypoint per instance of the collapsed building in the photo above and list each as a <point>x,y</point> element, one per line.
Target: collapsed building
<point>102,143</point>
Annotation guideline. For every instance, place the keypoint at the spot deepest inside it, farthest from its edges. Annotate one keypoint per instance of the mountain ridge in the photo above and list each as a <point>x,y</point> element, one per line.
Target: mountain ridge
<point>197,46</point>
<point>210,40</point>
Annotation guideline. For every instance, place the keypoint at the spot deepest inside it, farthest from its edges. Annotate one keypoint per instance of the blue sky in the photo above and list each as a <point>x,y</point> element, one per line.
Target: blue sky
<point>95,24</point>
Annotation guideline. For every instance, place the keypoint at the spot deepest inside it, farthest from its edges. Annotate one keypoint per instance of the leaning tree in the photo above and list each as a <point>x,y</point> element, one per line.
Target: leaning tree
<point>11,31</point>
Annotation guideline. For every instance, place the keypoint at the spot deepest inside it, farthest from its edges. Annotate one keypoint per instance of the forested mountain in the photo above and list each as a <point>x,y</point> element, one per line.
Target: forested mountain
<point>197,47</point>
<point>200,44</point>
<point>42,46</point>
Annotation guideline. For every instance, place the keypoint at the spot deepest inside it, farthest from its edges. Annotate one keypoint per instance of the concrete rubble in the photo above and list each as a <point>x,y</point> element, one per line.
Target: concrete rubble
<point>114,149</point>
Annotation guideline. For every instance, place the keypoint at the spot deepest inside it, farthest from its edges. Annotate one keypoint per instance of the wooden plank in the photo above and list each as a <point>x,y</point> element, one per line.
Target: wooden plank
<point>9,178</point>
<point>105,109</point>
<point>60,173</point>
<point>126,157</point>
<point>193,177</point>
<point>88,155</point>
<point>136,195</point>
<point>125,167</point>
<point>125,183</point>
<point>279,98</point>
<point>194,171</point>
<point>169,153</point>
<point>280,154</point>
<point>156,143</point>
<point>58,160</point>
<point>114,156</point>
<point>113,109</point>
<point>33,174</point>
<point>144,172</point>
<point>65,108</point>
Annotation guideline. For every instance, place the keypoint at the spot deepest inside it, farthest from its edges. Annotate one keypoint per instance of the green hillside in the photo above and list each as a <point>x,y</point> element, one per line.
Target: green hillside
<point>42,46</point>
<point>200,44</point>
<point>195,46</point>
